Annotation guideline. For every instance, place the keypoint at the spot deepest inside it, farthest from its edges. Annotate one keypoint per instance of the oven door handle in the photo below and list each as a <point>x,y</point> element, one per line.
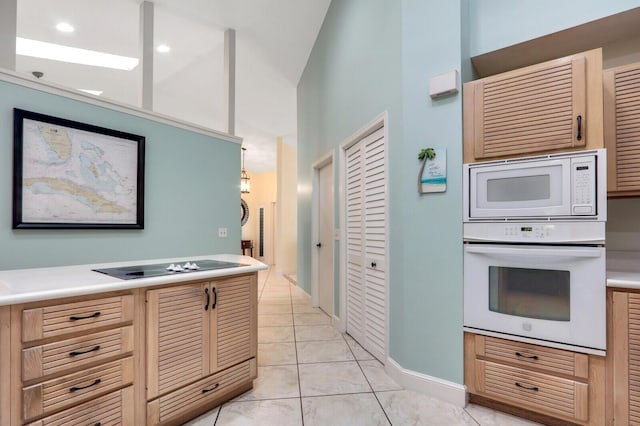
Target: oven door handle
<point>530,251</point>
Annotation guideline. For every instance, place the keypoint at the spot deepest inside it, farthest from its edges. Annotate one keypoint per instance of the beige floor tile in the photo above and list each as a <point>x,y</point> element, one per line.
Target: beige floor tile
<point>274,300</point>
<point>276,353</point>
<point>276,412</point>
<point>308,333</point>
<point>332,378</point>
<point>325,351</point>
<point>275,334</point>
<point>306,309</point>
<point>378,379</point>
<point>207,419</point>
<point>274,382</point>
<point>358,351</point>
<point>275,320</point>
<point>488,417</point>
<point>343,410</point>
<point>273,308</point>
<point>410,408</point>
<point>311,319</point>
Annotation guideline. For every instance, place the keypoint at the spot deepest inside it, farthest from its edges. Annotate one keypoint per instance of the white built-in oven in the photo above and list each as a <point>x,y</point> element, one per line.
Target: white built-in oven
<point>568,186</point>
<point>550,294</point>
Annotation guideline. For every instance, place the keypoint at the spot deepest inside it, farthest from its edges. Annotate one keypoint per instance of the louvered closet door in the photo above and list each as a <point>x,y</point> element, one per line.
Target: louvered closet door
<point>177,337</point>
<point>234,319</point>
<point>624,149</point>
<point>531,110</point>
<point>366,243</point>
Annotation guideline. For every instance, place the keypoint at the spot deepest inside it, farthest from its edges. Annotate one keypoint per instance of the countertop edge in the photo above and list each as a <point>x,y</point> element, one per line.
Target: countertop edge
<point>12,297</point>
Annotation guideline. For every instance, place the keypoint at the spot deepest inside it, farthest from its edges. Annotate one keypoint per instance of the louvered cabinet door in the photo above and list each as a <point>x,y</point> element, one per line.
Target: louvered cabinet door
<point>622,129</point>
<point>178,336</point>
<point>234,321</point>
<point>375,244</point>
<point>553,106</point>
<point>625,351</point>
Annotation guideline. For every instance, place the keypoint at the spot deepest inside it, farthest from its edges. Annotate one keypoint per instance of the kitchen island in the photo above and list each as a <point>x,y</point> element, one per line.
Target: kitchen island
<point>84,346</point>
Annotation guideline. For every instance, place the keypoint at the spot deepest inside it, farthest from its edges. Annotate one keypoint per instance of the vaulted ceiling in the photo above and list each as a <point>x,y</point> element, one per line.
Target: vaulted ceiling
<point>273,42</point>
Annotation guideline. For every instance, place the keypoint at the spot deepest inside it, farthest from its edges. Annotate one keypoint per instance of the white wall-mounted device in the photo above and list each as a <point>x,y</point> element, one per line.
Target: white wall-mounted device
<point>444,84</point>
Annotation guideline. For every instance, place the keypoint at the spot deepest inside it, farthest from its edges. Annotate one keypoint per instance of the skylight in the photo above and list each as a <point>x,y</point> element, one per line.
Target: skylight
<point>57,52</point>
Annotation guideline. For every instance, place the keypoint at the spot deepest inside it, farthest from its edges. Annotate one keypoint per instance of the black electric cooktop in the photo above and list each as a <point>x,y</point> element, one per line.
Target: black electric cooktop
<point>159,269</point>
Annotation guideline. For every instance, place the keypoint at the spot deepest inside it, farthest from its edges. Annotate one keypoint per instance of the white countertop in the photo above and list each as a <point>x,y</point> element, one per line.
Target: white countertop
<point>623,269</point>
<point>29,285</point>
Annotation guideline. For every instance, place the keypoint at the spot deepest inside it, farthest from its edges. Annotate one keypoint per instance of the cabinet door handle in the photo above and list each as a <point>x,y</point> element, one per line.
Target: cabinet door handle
<point>526,356</point>
<point>319,245</point>
<point>94,315</point>
<point>374,264</point>
<point>579,137</point>
<point>98,424</point>
<point>215,298</point>
<point>77,388</point>
<point>214,387</point>
<point>206,305</point>
<point>532,388</point>
<point>93,349</point>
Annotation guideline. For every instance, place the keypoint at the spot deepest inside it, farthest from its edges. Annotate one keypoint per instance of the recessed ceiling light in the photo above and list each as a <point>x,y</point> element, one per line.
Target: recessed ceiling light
<point>58,52</point>
<point>93,92</point>
<point>65,27</point>
<point>163,48</point>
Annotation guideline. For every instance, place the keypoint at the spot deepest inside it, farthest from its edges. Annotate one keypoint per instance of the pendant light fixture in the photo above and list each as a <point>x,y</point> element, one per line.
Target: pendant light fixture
<point>245,187</point>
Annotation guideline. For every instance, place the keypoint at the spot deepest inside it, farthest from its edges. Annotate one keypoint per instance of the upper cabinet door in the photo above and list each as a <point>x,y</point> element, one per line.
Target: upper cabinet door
<point>548,107</point>
<point>622,129</point>
<point>178,330</point>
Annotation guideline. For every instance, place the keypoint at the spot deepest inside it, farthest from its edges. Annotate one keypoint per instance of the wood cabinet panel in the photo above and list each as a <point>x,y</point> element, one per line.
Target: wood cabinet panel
<point>622,129</point>
<point>178,327</point>
<point>57,320</point>
<point>114,409</point>
<point>68,354</point>
<point>552,106</point>
<point>5,365</point>
<point>56,394</point>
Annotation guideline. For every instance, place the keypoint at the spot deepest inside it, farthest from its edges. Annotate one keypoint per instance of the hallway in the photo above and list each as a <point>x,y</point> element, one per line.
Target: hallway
<point>311,374</point>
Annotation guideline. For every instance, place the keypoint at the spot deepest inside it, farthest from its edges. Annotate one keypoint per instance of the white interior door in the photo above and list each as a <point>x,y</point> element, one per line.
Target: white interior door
<point>366,234</point>
<point>325,240</point>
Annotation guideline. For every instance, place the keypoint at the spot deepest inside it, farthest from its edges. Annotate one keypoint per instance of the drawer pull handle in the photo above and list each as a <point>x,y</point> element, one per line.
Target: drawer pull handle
<point>98,424</point>
<point>214,387</point>
<point>215,298</point>
<point>579,119</point>
<point>527,356</point>
<point>206,305</point>
<point>533,388</point>
<point>94,315</point>
<point>93,349</point>
<point>77,388</point>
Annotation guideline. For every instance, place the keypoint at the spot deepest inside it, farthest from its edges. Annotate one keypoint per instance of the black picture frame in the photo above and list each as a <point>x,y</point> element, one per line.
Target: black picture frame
<point>105,195</point>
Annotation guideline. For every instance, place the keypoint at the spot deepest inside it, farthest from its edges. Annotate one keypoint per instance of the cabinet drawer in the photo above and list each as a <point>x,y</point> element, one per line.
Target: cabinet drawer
<point>197,394</point>
<point>550,360</point>
<point>540,392</point>
<point>56,320</point>
<point>59,393</point>
<point>58,357</point>
<point>114,409</point>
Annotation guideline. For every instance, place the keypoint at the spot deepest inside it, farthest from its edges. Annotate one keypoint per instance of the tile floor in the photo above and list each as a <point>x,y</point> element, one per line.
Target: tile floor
<point>311,374</point>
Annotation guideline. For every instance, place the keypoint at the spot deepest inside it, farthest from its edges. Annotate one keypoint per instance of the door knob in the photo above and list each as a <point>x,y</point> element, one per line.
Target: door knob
<point>374,264</point>
<point>319,245</point>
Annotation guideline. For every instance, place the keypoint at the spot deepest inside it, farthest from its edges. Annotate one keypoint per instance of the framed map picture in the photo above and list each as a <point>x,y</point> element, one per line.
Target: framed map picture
<point>68,174</point>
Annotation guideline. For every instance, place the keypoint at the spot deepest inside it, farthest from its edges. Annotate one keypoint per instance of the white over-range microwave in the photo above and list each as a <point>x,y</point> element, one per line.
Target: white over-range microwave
<point>569,186</point>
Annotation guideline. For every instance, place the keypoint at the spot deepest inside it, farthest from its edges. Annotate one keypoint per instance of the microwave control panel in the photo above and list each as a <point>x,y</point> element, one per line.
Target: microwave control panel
<point>583,192</point>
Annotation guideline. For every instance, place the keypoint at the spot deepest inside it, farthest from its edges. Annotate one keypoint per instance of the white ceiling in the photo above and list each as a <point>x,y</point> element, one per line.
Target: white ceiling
<point>273,42</point>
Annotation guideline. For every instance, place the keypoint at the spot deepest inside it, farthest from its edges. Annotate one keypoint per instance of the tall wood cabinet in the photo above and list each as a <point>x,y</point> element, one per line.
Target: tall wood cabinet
<point>624,344</point>
<point>547,107</point>
<point>622,129</point>
<point>201,345</point>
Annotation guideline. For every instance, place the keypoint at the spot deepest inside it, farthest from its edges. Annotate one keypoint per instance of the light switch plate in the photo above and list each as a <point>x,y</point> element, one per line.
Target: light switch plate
<point>222,232</point>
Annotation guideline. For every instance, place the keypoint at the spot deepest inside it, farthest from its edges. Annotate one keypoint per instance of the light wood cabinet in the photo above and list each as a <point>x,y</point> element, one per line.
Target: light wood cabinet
<point>5,365</point>
<point>69,355</point>
<point>622,129</point>
<point>624,394</point>
<point>548,107</point>
<point>554,383</point>
<point>193,332</point>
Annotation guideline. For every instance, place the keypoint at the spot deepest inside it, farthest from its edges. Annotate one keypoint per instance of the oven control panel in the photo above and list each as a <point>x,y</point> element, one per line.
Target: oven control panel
<point>536,232</point>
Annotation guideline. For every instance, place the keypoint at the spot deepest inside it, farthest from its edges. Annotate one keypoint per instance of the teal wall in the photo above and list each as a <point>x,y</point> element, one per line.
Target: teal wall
<point>191,189</point>
<point>499,23</point>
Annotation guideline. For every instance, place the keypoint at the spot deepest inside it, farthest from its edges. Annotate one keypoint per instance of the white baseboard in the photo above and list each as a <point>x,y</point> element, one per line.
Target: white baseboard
<point>444,390</point>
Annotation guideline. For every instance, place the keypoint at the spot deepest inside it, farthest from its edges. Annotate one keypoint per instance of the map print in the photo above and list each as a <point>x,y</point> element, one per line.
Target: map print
<point>74,176</point>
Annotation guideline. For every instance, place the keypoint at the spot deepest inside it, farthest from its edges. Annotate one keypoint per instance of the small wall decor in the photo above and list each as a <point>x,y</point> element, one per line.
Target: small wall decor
<point>68,175</point>
<point>433,170</point>
<point>244,212</point>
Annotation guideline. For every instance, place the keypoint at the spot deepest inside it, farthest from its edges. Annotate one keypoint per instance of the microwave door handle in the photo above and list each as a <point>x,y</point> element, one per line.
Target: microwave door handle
<point>567,252</point>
